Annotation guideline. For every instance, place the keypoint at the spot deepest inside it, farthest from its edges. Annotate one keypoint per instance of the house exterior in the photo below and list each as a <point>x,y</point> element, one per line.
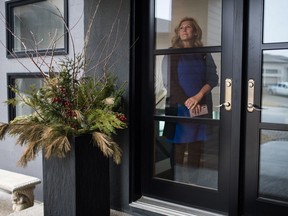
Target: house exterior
<point>243,164</point>
<point>275,69</point>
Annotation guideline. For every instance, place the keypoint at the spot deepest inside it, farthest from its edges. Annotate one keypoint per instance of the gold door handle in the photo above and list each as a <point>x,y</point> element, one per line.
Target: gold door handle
<point>250,97</point>
<point>251,106</point>
<point>228,94</point>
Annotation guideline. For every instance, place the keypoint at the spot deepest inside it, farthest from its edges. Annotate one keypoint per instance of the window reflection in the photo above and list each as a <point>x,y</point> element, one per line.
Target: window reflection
<point>39,26</point>
<point>168,14</point>
<point>205,175</point>
<point>187,92</point>
<point>163,84</point>
<point>24,83</point>
<point>273,174</point>
<point>176,158</point>
<point>275,18</point>
<point>275,86</point>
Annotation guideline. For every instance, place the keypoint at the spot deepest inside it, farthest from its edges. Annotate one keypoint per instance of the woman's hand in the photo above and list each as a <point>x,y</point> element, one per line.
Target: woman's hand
<point>192,102</point>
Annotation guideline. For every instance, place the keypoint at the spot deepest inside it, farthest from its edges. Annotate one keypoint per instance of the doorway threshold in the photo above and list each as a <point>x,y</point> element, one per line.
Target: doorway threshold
<point>154,207</point>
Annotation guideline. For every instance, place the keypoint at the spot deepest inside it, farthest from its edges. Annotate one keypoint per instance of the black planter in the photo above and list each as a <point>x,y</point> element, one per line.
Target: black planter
<point>78,184</point>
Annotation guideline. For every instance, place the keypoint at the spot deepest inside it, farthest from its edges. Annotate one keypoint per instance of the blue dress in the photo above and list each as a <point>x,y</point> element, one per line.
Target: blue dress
<point>191,72</point>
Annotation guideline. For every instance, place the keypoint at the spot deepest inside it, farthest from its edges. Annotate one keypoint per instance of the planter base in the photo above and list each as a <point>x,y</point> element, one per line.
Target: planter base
<point>78,184</point>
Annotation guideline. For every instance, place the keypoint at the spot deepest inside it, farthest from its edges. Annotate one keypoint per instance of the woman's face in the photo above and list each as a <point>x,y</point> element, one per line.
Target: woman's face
<point>185,31</point>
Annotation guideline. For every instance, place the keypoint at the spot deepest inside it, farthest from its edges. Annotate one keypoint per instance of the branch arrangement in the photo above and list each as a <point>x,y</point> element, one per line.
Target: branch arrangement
<point>68,104</point>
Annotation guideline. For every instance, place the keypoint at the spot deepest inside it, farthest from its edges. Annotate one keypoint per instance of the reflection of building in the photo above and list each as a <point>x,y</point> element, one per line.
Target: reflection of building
<point>275,69</point>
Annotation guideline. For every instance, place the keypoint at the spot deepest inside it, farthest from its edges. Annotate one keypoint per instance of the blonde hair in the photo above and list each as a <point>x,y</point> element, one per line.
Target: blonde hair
<point>196,41</point>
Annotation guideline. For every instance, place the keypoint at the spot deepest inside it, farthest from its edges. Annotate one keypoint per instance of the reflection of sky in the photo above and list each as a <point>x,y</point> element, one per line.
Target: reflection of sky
<point>163,9</point>
<point>275,18</point>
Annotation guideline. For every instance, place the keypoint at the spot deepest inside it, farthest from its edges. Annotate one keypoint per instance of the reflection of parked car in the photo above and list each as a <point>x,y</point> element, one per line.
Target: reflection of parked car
<point>279,88</point>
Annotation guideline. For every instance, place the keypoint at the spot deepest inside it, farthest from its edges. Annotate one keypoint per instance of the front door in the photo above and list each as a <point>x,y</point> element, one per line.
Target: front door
<point>266,137</point>
<point>234,159</point>
<point>187,159</point>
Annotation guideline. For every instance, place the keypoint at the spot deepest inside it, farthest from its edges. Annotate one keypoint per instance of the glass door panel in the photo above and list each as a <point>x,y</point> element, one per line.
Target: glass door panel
<point>275,18</point>
<point>273,173</point>
<point>275,86</point>
<point>168,13</point>
<point>187,148</point>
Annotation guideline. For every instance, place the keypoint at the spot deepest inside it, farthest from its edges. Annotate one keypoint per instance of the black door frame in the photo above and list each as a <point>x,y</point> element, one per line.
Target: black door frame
<point>142,113</point>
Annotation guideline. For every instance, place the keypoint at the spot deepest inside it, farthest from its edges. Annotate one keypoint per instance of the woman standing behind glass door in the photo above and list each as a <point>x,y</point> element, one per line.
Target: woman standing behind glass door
<point>192,77</point>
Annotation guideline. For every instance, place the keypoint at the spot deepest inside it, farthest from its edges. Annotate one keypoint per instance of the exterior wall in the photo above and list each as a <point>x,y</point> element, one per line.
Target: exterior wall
<point>111,27</point>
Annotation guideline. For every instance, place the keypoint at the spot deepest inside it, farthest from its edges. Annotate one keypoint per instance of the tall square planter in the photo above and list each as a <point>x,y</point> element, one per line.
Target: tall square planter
<point>77,184</point>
